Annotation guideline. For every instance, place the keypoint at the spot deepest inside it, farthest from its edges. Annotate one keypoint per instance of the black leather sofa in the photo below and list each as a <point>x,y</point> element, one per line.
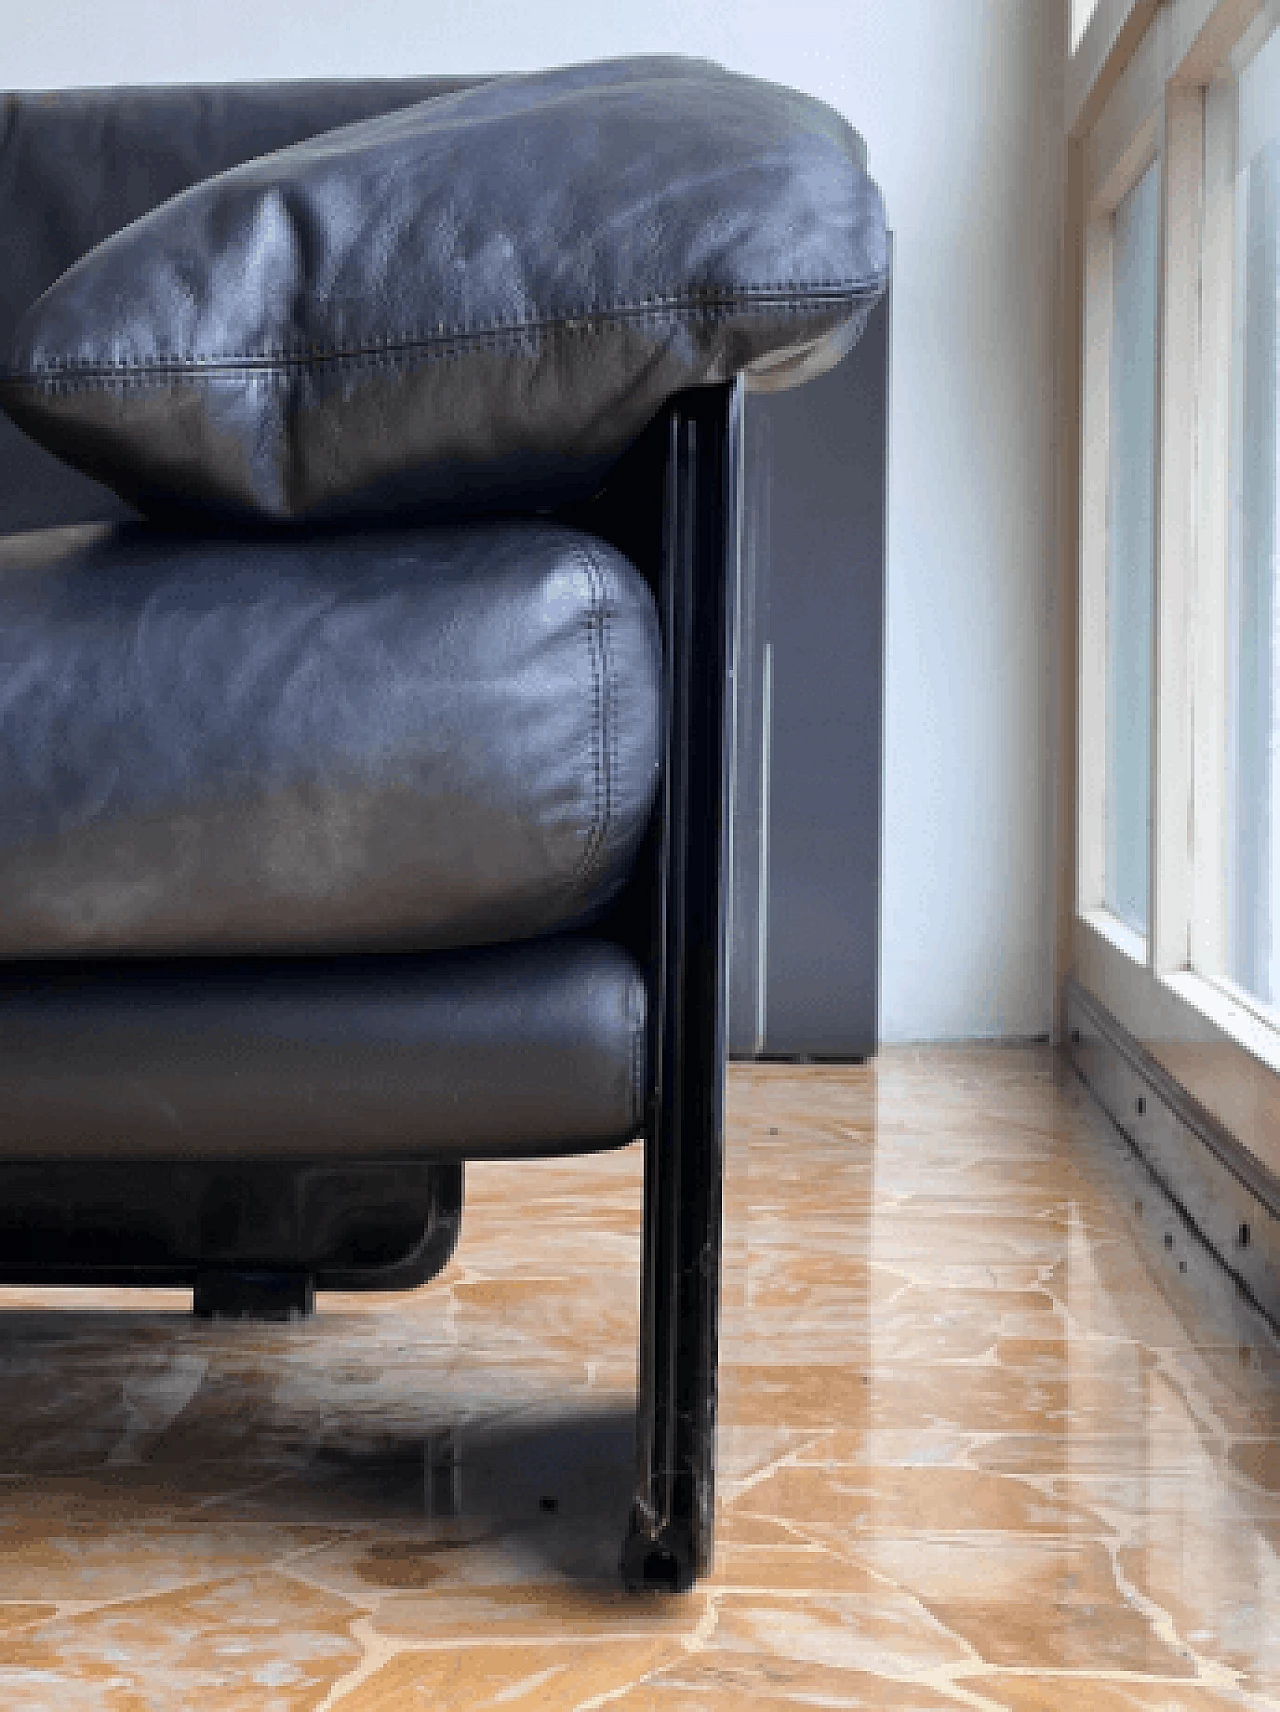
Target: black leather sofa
<point>272,968</point>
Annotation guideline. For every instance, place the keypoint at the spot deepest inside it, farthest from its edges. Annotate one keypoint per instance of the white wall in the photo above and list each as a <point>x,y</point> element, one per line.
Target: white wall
<point>961,105</point>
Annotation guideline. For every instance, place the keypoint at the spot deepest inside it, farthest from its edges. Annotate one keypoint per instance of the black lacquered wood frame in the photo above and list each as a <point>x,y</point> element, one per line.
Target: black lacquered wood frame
<point>670,1534</point>
<point>676,508</point>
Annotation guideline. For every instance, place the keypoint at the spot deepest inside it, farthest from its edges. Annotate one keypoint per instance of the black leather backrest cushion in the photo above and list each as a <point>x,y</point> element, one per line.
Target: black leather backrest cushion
<point>469,306</point>
<point>77,165</point>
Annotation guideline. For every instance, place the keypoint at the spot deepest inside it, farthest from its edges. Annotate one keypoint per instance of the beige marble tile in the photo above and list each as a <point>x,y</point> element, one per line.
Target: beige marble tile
<point>874,1629</point>
<point>232,1646</point>
<point>528,1678</point>
<point>767,1683</point>
<point>92,1540</point>
<point>959,1396</point>
<point>856,1501</point>
<point>798,1280</point>
<point>920,1323</point>
<point>1258,1462</point>
<point>1048,1603</point>
<point>1067,1636</point>
<point>1176,1452</point>
<point>1207,1495</point>
<point>533,1613</point>
<point>794,1568</point>
<point>738,1527</point>
<point>743,1452</point>
<point>1089,1694</point>
<point>1217,1581</point>
<point>18,1616</point>
<point>981,1445</point>
<point>813,1395</point>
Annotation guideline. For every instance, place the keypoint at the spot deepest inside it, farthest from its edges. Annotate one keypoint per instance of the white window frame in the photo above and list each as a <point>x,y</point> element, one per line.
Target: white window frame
<point>1110,180</point>
<point>1141,87</point>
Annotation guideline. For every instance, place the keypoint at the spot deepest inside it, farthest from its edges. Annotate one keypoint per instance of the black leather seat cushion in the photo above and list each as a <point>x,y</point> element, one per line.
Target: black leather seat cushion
<point>469,304</point>
<point>507,1050</point>
<point>387,739</point>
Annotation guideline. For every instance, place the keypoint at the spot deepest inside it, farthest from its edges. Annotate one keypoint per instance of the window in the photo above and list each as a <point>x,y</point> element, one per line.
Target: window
<point>1174,921</point>
<point>1131,550</point>
<point>1081,12</point>
<point>1253,666</point>
<point>1118,543</point>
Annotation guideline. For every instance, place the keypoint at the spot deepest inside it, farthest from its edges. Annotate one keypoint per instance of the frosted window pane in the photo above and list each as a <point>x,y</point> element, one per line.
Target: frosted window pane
<point>1253,882</point>
<point>1081,12</point>
<point>1130,552</point>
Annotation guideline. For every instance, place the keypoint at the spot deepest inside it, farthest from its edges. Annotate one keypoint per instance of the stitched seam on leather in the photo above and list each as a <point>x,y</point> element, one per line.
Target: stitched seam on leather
<point>581,875</point>
<point>608,706</point>
<point>598,844</point>
<point>444,343</point>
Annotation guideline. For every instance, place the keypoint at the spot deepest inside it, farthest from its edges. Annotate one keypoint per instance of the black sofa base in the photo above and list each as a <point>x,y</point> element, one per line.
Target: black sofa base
<point>226,1293</point>
<point>367,1226</point>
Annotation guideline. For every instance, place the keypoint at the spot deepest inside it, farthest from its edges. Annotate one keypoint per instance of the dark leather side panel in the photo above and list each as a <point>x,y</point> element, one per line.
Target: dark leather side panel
<point>513,1050</point>
<point>396,740</point>
<point>79,164</point>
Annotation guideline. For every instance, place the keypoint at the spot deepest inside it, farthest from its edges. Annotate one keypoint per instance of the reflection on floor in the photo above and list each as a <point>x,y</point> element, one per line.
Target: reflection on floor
<point>985,1444</point>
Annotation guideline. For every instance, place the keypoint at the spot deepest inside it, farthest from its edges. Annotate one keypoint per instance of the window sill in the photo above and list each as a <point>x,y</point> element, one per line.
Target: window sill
<point>1118,933</point>
<point>1211,1043</point>
<point>1232,1011</point>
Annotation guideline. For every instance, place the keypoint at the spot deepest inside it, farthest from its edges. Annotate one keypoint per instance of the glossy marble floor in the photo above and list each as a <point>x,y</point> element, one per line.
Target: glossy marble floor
<point>985,1444</point>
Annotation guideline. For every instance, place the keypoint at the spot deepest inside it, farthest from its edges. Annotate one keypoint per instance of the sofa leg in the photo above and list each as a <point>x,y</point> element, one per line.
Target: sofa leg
<point>230,1293</point>
<point>656,1566</point>
<point>669,1537</point>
